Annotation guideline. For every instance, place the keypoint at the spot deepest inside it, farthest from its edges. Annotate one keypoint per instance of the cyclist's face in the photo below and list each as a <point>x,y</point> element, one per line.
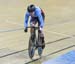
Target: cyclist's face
<point>32,14</point>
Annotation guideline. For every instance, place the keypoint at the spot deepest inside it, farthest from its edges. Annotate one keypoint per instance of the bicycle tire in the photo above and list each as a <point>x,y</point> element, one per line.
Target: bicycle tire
<point>31,49</point>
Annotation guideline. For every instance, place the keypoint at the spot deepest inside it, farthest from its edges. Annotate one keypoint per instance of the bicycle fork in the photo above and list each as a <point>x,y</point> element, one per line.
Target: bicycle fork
<point>33,35</point>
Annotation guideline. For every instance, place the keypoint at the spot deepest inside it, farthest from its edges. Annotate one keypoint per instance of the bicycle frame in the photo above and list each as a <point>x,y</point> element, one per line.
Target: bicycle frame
<point>33,31</point>
<point>34,42</point>
<point>33,34</point>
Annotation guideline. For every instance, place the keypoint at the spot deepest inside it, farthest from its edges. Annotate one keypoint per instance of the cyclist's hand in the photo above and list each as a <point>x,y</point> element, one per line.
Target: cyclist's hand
<point>25,30</point>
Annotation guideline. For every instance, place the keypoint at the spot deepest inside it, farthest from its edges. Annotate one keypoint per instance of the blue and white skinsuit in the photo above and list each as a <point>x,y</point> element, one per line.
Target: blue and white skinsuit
<point>38,16</point>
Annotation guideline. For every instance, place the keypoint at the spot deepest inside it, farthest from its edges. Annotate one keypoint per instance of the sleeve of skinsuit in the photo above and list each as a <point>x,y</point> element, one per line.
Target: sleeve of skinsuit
<point>26,19</point>
<point>40,18</point>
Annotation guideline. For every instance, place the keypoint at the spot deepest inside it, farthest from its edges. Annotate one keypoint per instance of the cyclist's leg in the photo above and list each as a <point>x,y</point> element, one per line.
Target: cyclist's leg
<point>42,37</point>
<point>41,32</point>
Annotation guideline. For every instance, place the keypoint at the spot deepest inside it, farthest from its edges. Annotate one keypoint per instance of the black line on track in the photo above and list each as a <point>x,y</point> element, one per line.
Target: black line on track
<point>58,40</point>
<point>60,50</point>
<point>11,30</point>
<point>27,49</point>
<point>51,54</point>
<point>12,53</point>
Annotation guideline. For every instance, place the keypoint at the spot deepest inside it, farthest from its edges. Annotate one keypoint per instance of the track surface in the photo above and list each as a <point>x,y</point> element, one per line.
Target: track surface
<point>59,30</point>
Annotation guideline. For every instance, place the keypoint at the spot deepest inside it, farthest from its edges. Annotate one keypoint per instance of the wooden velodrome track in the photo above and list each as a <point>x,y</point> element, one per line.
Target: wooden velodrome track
<point>59,30</point>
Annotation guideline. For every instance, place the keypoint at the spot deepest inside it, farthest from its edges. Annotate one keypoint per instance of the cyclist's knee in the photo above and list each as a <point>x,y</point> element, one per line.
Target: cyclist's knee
<point>41,33</point>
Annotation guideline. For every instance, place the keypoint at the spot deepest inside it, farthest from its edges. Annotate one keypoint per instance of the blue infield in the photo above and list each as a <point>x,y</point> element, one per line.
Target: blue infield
<point>68,58</point>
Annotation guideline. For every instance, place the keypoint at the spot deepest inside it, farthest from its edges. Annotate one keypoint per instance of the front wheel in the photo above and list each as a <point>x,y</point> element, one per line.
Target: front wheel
<point>31,49</point>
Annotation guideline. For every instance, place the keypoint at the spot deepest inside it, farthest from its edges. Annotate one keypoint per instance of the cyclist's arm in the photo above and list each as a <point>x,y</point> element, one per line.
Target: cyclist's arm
<point>40,18</point>
<point>26,19</point>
